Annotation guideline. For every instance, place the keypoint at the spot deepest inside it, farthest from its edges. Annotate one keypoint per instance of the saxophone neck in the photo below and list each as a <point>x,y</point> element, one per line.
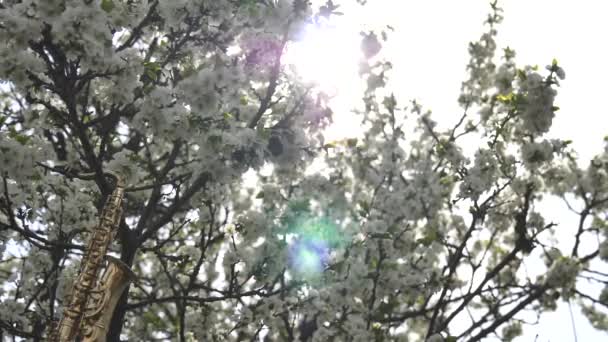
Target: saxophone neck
<point>117,195</point>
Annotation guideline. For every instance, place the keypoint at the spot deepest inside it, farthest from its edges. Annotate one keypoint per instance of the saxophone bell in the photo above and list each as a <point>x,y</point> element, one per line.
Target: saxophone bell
<point>100,309</point>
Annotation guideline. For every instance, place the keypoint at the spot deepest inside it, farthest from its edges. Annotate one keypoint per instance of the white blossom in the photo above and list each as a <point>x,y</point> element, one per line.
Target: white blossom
<point>563,273</point>
<point>535,154</point>
<point>537,109</point>
<point>481,176</point>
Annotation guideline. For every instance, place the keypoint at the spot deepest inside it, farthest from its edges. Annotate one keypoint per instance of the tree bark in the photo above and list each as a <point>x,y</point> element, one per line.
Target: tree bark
<point>129,249</point>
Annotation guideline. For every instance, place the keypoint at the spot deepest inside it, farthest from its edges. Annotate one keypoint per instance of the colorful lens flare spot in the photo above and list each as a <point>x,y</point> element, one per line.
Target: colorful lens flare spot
<point>308,257</point>
<point>309,252</point>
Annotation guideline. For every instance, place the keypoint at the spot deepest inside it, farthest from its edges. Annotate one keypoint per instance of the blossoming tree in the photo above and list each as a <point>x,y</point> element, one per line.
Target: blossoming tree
<point>400,236</point>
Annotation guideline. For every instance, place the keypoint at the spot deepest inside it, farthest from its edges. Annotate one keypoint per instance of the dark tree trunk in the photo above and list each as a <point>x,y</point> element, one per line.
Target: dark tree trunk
<point>129,248</point>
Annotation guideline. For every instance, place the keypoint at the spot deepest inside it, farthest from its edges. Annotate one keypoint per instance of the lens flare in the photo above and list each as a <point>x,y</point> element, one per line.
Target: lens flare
<point>310,250</point>
<point>308,257</point>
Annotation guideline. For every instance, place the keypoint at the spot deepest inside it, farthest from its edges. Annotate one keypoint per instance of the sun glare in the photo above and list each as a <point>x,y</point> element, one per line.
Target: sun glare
<point>326,56</point>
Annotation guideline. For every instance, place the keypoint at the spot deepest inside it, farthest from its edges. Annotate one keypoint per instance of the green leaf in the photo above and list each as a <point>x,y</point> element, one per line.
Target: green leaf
<point>364,205</point>
<point>505,98</point>
<point>36,177</point>
<point>151,74</point>
<point>599,223</point>
<point>554,62</point>
<point>265,133</point>
<point>428,238</point>
<point>20,138</point>
<point>447,180</point>
<point>107,5</point>
<point>521,74</point>
<point>390,103</point>
<point>260,194</point>
<point>227,116</point>
<point>509,53</point>
<point>151,69</point>
<point>154,319</point>
<point>215,140</point>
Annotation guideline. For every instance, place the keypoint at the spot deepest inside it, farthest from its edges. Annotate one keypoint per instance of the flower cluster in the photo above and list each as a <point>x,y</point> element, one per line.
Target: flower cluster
<point>481,176</point>
<point>536,109</point>
<point>562,273</point>
<point>534,154</point>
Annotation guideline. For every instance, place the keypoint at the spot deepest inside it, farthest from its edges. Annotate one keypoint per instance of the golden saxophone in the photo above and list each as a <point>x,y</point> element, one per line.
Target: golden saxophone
<point>90,304</point>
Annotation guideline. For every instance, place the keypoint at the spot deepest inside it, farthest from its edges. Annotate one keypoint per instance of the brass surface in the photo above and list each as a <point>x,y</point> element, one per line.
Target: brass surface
<point>90,304</point>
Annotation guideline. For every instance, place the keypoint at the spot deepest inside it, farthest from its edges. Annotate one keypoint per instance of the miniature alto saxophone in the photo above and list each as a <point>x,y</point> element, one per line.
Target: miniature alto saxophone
<point>91,302</point>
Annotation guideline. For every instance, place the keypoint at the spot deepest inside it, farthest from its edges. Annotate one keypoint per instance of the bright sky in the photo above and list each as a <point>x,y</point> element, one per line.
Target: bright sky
<point>429,52</point>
